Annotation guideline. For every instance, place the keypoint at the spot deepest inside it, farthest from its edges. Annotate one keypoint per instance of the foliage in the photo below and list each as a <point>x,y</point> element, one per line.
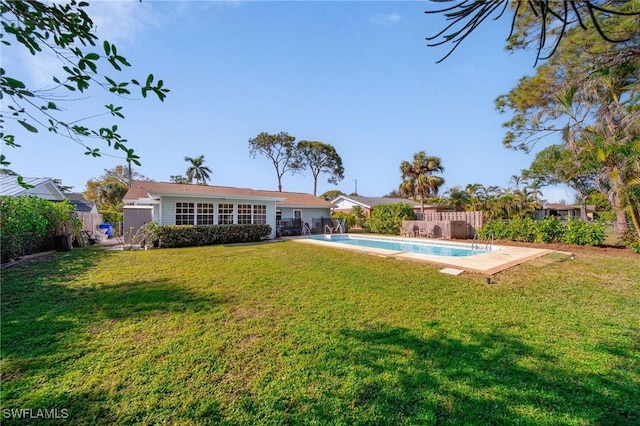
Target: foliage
<point>551,20</point>
<point>349,219</point>
<point>67,32</point>
<point>112,216</point>
<point>524,230</point>
<point>24,227</point>
<point>178,179</point>
<point>584,234</point>
<point>498,228</point>
<point>631,240</point>
<point>548,230</point>
<point>418,180</point>
<point>28,223</point>
<point>321,157</point>
<point>387,218</point>
<point>202,235</point>
<point>61,219</point>
<point>331,194</point>
<point>197,170</point>
<point>587,95</point>
<point>551,230</point>
<point>120,175</point>
<point>280,149</point>
<point>262,334</point>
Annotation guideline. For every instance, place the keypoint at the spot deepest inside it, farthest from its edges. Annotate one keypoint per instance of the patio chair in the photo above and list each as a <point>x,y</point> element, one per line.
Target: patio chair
<point>306,229</point>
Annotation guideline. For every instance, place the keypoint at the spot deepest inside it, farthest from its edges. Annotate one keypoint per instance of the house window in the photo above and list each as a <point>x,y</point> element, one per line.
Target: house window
<point>205,215</point>
<point>244,214</point>
<point>225,214</point>
<point>278,215</point>
<point>184,213</point>
<point>297,214</point>
<point>260,214</point>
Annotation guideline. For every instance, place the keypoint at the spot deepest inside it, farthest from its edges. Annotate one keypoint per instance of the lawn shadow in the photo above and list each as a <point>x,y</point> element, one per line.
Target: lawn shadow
<point>489,378</point>
<point>49,325</point>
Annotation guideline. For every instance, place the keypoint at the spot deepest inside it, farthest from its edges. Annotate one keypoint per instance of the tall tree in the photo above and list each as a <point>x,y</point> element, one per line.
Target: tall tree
<point>557,164</point>
<point>120,175</point>
<point>66,31</point>
<point>321,157</point>
<point>547,22</point>
<point>197,170</point>
<point>588,94</point>
<point>280,149</point>
<point>178,179</point>
<point>418,180</point>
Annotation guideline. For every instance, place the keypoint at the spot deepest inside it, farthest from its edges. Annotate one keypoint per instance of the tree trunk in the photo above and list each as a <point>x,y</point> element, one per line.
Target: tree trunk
<point>583,207</point>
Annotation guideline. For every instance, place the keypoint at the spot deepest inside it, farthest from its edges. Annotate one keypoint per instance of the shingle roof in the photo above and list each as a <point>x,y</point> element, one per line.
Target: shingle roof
<point>143,189</point>
<point>79,202</point>
<point>42,187</point>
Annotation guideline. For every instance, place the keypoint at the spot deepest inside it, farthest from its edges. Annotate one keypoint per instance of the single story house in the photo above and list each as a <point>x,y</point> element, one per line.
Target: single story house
<point>41,187</point>
<point>184,204</point>
<point>564,211</point>
<point>345,203</point>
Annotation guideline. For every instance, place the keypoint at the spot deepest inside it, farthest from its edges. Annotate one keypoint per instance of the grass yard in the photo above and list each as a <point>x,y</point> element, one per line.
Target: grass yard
<point>289,333</point>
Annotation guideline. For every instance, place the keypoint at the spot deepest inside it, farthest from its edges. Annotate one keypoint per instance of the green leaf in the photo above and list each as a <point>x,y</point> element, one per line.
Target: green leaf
<point>28,126</point>
<point>149,80</point>
<point>107,48</point>
<point>14,84</point>
<point>92,57</point>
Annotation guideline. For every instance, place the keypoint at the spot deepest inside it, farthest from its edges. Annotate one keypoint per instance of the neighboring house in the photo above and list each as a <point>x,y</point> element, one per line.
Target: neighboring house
<point>345,203</point>
<point>41,187</point>
<point>182,204</point>
<point>564,211</point>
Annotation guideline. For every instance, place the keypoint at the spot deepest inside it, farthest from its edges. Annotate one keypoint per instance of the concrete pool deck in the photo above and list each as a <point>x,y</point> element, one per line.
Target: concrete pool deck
<point>501,258</point>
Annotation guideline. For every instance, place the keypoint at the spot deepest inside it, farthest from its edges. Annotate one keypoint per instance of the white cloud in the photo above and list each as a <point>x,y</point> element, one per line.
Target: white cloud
<point>121,21</point>
<point>386,19</point>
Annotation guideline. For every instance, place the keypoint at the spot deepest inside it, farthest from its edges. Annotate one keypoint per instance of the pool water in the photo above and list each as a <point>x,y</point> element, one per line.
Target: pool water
<point>409,246</point>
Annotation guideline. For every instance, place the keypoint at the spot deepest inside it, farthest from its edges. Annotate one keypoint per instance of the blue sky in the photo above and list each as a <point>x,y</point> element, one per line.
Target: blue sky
<point>357,75</point>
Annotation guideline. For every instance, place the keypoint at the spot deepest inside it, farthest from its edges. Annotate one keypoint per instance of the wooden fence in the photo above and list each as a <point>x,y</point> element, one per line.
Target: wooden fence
<point>90,222</point>
<point>444,225</point>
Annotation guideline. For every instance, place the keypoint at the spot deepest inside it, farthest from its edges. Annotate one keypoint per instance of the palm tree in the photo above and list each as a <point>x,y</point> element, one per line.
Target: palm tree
<point>197,171</point>
<point>418,179</point>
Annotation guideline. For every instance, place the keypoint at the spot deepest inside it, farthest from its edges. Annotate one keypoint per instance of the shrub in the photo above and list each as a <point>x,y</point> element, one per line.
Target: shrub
<point>349,219</point>
<point>551,230</point>
<point>27,224</point>
<point>387,218</point>
<point>523,230</point>
<point>630,239</point>
<point>584,234</point>
<point>499,229</point>
<point>202,235</point>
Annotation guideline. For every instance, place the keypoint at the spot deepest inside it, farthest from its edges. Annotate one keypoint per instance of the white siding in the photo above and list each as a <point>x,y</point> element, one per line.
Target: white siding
<point>168,208</point>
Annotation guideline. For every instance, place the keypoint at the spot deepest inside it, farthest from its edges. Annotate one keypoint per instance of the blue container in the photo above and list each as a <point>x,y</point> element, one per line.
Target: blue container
<point>108,227</point>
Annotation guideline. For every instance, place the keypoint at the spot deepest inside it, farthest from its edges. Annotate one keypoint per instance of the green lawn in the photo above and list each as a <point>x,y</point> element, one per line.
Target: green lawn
<point>289,333</point>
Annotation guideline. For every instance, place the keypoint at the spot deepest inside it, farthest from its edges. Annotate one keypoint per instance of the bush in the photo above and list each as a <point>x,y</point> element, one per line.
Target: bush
<point>387,218</point>
<point>523,230</point>
<point>584,234</point>
<point>349,219</point>
<point>499,229</point>
<point>551,230</point>
<point>548,230</point>
<point>28,223</point>
<point>203,235</point>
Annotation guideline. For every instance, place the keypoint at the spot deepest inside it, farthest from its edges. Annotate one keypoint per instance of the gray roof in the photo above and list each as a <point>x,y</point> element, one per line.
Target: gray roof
<point>79,202</point>
<point>42,187</point>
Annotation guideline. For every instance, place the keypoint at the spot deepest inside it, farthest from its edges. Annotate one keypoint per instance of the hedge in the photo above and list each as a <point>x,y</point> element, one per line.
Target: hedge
<point>168,236</point>
<point>548,230</point>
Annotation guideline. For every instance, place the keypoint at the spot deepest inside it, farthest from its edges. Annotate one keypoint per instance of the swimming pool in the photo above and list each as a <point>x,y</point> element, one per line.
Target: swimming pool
<point>434,248</point>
